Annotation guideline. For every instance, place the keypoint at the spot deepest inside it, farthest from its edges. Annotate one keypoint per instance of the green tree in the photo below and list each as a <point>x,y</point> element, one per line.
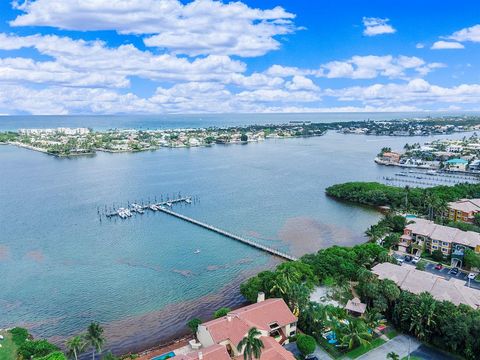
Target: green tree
<point>95,338</point>
<point>221,312</point>
<point>193,325</point>
<point>75,346</point>
<point>244,137</point>
<point>476,219</point>
<point>251,345</point>
<point>354,333</point>
<point>437,255</point>
<point>421,265</point>
<point>306,344</point>
<point>471,259</point>
<point>423,316</point>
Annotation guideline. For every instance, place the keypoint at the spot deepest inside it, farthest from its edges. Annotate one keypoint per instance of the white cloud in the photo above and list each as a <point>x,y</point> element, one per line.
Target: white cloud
<point>200,27</point>
<point>301,83</point>
<point>441,45</point>
<point>420,46</point>
<point>468,34</point>
<point>371,66</point>
<point>416,92</point>
<point>377,26</point>
<point>92,63</point>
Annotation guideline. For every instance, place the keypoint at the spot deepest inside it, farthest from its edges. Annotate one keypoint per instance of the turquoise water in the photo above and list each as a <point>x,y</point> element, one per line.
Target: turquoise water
<point>61,268</point>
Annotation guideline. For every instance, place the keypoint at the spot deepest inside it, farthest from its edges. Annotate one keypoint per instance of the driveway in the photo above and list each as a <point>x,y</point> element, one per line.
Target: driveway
<point>428,353</point>
<point>400,344</point>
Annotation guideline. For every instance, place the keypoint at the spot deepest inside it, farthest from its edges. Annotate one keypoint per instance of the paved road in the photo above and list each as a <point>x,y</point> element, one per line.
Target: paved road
<point>319,352</point>
<point>399,344</point>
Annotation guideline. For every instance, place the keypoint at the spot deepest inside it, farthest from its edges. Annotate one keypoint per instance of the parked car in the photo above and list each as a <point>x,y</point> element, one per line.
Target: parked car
<point>399,261</point>
<point>408,258</point>
<point>415,259</point>
<point>311,357</point>
<point>438,266</point>
<point>453,271</point>
<point>472,276</point>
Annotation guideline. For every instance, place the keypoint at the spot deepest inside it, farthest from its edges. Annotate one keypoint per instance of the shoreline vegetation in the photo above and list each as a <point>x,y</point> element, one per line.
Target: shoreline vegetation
<point>66,142</point>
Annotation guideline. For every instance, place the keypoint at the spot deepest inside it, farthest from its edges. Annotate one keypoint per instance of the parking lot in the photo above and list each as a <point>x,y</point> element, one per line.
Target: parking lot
<point>444,272</point>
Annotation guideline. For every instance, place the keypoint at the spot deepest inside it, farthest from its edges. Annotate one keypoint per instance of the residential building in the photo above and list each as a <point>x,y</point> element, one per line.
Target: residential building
<point>390,157</point>
<point>474,166</point>
<point>456,164</point>
<point>219,338</point>
<point>416,281</point>
<point>421,234</point>
<point>463,210</point>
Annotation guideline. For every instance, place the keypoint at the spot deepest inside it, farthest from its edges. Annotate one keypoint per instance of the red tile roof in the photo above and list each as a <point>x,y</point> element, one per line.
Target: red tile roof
<point>214,352</point>
<point>261,315</point>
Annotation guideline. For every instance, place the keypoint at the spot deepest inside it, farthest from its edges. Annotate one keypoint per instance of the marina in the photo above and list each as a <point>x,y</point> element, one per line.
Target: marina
<point>139,208</point>
<point>430,178</point>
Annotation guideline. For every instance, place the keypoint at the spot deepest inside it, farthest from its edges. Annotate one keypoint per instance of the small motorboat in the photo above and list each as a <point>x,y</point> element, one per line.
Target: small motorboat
<point>197,251</point>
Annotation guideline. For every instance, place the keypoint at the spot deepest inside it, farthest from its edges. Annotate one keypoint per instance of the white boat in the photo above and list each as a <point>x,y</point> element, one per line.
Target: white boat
<point>197,251</point>
<point>153,208</point>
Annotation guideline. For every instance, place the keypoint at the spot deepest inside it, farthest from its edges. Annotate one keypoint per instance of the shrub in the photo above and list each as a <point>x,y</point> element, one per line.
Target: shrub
<point>57,355</point>
<point>221,312</point>
<point>36,348</point>
<point>306,344</point>
<point>19,335</point>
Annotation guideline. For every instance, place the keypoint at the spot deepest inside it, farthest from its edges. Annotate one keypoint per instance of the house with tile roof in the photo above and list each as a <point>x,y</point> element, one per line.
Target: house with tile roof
<point>220,337</point>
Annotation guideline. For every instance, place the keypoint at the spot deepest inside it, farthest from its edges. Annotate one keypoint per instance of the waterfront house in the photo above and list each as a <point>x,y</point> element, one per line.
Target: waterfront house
<point>416,281</point>
<point>463,210</point>
<point>424,235</point>
<point>456,164</point>
<point>220,337</point>
<point>390,157</point>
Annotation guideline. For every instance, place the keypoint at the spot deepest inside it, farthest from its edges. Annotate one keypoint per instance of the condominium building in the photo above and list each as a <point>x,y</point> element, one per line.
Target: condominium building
<point>463,210</point>
<point>424,235</point>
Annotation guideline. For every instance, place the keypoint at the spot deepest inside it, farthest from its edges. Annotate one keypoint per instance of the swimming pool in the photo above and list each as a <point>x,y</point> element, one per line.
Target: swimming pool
<point>169,355</point>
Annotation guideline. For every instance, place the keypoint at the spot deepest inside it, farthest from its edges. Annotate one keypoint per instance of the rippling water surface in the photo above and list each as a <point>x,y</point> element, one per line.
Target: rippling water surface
<point>61,268</point>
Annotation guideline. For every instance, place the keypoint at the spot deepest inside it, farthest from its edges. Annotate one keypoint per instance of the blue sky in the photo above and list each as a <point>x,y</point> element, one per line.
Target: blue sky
<point>167,56</point>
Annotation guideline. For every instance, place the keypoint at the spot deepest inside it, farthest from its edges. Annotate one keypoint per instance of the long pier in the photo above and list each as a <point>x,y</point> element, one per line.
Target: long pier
<point>251,243</point>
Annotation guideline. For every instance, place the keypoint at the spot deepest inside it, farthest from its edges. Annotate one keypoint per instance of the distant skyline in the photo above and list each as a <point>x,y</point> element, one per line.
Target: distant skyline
<point>169,56</point>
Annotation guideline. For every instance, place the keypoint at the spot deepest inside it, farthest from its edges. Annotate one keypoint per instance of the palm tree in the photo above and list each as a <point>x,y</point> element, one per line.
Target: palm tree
<point>95,338</point>
<point>76,345</point>
<point>423,316</point>
<point>393,356</point>
<point>355,333</point>
<point>252,346</point>
<point>372,319</point>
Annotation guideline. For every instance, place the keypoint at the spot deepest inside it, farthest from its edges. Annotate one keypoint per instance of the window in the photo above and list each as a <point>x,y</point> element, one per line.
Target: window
<point>435,241</point>
<point>434,247</point>
<point>445,244</point>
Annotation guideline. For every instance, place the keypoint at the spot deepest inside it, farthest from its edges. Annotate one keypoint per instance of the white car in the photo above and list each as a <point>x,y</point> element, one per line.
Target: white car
<point>415,259</point>
<point>400,261</point>
<point>471,276</point>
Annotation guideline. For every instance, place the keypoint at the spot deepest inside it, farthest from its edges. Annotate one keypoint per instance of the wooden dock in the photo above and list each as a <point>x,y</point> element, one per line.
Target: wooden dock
<point>251,243</point>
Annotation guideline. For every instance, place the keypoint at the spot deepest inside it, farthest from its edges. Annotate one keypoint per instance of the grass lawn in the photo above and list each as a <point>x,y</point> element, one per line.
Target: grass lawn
<point>8,349</point>
<point>364,349</point>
